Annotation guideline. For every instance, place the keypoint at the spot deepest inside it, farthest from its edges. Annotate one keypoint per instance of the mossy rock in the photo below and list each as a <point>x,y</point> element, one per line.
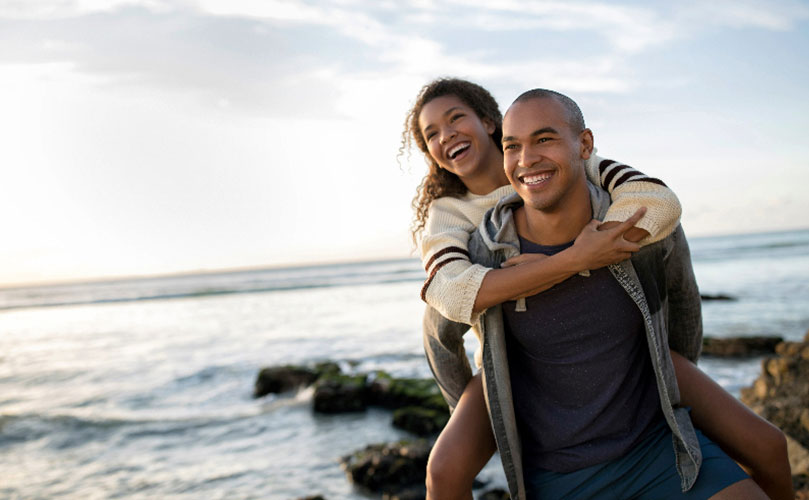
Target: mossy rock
<point>327,368</point>
<point>278,379</point>
<point>419,420</point>
<point>495,494</point>
<point>389,468</point>
<point>739,347</point>
<point>341,393</point>
<point>390,392</point>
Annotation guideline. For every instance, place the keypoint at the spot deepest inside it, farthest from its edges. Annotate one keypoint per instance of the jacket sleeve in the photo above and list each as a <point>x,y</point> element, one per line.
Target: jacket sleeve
<point>631,189</point>
<point>684,303</point>
<point>453,281</point>
<point>446,355</point>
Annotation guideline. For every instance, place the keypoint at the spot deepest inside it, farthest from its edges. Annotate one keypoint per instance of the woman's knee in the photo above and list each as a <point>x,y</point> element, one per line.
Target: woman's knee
<point>446,477</point>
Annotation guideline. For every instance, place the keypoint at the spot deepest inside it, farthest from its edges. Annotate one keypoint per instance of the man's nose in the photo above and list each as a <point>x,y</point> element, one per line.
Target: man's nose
<point>527,158</point>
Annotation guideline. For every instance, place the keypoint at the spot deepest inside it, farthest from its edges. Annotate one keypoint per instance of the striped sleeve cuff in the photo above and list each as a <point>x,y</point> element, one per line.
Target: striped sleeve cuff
<point>613,174</point>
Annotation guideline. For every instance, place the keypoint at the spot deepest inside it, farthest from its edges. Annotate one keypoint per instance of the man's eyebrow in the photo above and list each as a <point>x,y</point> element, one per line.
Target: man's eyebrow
<point>544,130</point>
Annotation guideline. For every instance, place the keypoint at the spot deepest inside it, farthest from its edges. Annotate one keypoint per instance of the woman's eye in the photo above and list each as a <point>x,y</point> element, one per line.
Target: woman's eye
<point>456,117</point>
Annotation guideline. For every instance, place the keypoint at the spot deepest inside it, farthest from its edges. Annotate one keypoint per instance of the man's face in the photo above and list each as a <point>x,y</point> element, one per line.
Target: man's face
<point>543,156</point>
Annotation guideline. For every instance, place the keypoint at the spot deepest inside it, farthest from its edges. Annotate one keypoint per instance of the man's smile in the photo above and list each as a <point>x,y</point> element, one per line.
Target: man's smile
<point>535,179</point>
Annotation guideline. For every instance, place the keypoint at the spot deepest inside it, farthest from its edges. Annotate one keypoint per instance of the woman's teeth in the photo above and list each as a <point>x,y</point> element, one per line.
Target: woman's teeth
<point>456,150</point>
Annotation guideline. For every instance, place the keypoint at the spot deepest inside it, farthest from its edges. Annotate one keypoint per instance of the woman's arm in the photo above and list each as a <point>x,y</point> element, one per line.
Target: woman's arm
<point>460,290</point>
<point>630,189</point>
<point>525,275</point>
<point>452,280</point>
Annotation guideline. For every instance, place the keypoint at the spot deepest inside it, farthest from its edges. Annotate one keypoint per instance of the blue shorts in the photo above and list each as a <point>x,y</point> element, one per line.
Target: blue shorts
<point>647,472</point>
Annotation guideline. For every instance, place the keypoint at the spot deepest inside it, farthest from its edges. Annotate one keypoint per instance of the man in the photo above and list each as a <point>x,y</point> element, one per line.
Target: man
<point>579,381</point>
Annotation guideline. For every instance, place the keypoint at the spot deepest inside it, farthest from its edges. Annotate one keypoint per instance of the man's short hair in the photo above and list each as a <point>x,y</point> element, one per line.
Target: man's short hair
<point>574,115</point>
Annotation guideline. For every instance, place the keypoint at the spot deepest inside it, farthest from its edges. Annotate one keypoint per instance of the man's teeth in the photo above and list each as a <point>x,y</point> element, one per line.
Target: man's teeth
<point>452,153</point>
<point>536,179</point>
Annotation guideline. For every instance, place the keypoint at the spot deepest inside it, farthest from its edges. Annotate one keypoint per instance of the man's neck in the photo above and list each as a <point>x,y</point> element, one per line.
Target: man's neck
<point>559,224</point>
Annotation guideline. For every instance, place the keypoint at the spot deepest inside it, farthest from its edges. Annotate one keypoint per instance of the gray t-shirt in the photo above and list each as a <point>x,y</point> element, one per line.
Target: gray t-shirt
<point>582,380</point>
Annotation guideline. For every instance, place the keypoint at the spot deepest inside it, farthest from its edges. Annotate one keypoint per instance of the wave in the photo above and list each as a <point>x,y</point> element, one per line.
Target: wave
<point>714,248</point>
<point>767,245</point>
<point>67,429</point>
<point>212,284</point>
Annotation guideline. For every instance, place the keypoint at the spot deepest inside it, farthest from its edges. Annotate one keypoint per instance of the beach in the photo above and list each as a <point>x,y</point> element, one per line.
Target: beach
<point>142,388</point>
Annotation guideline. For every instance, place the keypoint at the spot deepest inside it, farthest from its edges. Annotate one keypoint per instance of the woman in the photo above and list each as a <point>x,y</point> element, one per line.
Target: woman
<point>456,124</point>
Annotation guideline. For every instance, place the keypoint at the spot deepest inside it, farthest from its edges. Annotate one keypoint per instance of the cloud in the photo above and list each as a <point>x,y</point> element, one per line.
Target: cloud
<point>777,16</point>
<point>254,65</point>
<point>59,9</point>
<point>293,58</point>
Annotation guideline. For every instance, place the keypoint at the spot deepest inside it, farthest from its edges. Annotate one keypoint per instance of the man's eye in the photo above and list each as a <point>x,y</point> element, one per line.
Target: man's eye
<point>543,139</point>
<point>508,147</point>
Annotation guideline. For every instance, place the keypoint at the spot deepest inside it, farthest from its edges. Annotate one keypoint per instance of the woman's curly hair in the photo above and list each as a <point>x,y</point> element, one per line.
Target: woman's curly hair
<point>440,182</point>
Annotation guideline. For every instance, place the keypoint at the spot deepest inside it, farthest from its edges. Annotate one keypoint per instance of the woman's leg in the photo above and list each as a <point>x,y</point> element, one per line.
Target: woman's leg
<point>462,449</point>
<point>757,445</point>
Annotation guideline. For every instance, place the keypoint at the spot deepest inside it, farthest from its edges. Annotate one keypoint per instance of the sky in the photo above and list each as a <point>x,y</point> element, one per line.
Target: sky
<point>149,136</point>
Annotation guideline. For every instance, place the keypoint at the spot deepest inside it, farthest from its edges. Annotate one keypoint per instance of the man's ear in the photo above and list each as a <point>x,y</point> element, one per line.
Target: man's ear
<point>489,124</point>
<point>586,143</point>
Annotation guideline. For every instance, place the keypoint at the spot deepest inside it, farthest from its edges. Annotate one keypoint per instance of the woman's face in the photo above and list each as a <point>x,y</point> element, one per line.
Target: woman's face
<point>456,138</point>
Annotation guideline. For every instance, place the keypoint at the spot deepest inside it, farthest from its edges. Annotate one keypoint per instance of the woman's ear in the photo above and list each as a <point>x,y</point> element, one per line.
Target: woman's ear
<point>586,142</point>
<point>489,124</point>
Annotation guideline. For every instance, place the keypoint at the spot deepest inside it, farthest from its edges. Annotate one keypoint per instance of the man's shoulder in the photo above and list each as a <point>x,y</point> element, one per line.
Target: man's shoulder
<point>661,250</point>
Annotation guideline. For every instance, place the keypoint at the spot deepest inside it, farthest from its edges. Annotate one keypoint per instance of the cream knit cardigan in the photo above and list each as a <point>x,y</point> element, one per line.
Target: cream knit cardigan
<point>453,281</point>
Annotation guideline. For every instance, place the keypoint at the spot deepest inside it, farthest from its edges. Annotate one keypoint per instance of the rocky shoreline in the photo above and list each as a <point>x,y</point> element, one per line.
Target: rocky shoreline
<point>396,471</point>
<point>781,395</point>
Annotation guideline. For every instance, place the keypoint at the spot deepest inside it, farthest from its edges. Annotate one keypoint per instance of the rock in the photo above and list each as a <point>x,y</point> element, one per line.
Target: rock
<point>798,457</point>
<point>414,493</point>
<point>418,404</point>
<point>739,347</point>
<point>781,395</point>
<point>313,497</point>
<point>393,393</point>
<point>419,420</point>
<point>720,296</point>
<point>389,468</point>
<point>800,483</point>
<point>279,379</point>
<point>341,393</point>
<point>495,494</point>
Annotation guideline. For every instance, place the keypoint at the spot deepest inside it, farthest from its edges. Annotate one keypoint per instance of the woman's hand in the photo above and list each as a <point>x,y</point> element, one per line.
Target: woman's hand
<point>594,249</point>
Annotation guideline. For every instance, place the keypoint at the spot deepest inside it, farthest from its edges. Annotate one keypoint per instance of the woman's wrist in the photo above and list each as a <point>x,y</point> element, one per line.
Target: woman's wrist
<point>570,260</point>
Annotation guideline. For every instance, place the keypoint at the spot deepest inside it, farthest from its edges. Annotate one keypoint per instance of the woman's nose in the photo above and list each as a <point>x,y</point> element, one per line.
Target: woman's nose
<point>447,134</point>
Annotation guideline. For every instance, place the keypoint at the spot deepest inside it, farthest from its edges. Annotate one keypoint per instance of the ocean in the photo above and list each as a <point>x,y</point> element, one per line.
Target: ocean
<point>141,388</point>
